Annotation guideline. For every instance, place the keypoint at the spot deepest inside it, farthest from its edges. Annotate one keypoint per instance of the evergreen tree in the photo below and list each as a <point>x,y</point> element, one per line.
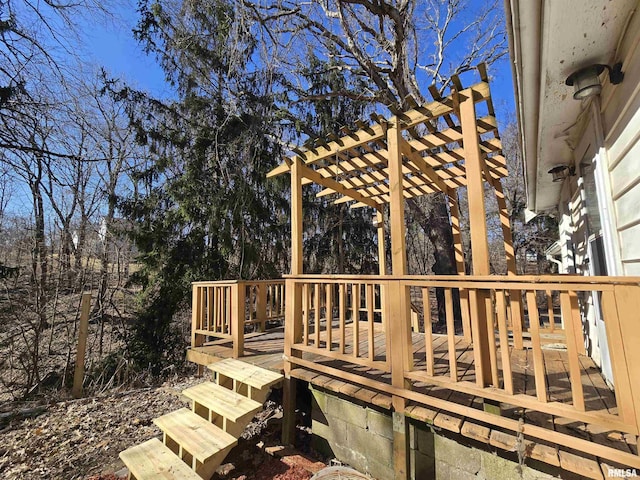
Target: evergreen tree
<point>202,207</point>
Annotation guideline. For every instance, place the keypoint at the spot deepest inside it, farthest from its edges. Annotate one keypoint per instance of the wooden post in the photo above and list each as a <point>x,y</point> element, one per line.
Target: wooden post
<point>78,376</point>
<point>292,335</point>
<point>396,201</point>
<point>261,305</point>
<point>517,306</point>
<point>478,227</point>
<point>293,306</point>
<point>196,319</point>
<point>454,210</point>
<point>399,311</point>
<point>399,332</point>
<point>237,318</point>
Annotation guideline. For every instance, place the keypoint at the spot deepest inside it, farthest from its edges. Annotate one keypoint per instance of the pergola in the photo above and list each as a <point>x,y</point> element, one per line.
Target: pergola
<point>436,147</point>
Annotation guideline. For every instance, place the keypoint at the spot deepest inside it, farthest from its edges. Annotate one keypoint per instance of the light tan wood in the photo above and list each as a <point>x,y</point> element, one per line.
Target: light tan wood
<point>475,189</point>
<point>222,401</point>
<point>195,435</point>
<point>196,340</point>
<point>454,212</point>
<point>491,337</point>
<point>501,309</point>
<point>370,330</point>
<point>251,375</point>
<point>572,350</point>
<point>453,366</point>
<point>428,332</point>
<point>328,315</point>
<point>296,218</point>
<point>628,305</point>
<point>237,319</point>
<point>316,302</point>
<point>342,316</point>
<point>382,257</point>
<point>152,460</point>
<point>83,331</point>
<point>355,320</point>
<point>538,362</point>
<point>396,206</point>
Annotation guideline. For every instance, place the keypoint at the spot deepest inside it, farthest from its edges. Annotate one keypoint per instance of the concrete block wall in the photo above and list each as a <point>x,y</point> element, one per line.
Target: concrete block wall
<point>361,436</point>
<point>355,434</point>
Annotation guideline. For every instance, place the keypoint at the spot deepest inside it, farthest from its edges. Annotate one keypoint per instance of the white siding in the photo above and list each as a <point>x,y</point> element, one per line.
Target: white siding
<point>622,119</point>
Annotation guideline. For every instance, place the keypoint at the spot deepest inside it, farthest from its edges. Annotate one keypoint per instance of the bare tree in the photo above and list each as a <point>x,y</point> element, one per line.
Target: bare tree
<point>399,48</point>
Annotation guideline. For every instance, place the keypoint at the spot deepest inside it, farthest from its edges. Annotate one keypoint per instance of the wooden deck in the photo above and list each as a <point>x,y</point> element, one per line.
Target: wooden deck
<point>266,350</point>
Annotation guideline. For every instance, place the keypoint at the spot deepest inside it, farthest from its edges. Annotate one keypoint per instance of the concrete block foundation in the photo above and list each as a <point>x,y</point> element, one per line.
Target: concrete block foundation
<point>360,435</point>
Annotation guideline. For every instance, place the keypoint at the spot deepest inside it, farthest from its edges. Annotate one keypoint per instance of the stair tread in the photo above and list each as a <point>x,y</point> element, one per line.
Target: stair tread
<point>152,460</point>
<point>196,435</point>
<point>223,401</point>
<point>255,377</point>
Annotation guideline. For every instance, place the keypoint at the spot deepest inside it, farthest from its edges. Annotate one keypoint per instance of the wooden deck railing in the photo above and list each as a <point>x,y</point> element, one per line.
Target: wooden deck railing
<point>224,309</point>
<point>367,321</point>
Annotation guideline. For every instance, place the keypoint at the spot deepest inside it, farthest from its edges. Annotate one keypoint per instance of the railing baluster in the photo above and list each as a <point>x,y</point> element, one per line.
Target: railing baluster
<point>428,331</point>
<point>451,335</point>
<point>306,306</point>
<point>226,324</point>
<point>355,293</point>
<point>342,315</point>
<point>491,337</point>
<point>568,301</point>
<point>501,307</point>
<point>538,359</point>
<point>329,314</point>
<point>369,304</point>
<point>316,329</point>
<point>552,320</point>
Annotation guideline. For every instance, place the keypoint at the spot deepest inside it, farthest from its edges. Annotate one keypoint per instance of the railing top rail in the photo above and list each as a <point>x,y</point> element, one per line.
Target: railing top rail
<point>560,280</point>
<point>204,283</point>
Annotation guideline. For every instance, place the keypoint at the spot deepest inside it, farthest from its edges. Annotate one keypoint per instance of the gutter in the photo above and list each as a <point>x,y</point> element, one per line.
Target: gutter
<point>527,87</point>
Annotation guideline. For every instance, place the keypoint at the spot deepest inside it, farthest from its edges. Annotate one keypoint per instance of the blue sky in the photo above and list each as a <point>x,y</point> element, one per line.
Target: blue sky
<point>113,46</point>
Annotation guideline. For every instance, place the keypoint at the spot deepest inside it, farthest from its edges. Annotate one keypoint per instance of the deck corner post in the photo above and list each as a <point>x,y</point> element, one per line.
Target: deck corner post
<point>237,319</point>
<point>289,388</point>
<point>292,335</point>
<point>196,316</point>
<point>401,446</point>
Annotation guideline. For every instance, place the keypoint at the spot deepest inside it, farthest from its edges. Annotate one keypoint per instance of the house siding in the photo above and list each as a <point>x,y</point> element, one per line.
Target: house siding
<point>621,118</point>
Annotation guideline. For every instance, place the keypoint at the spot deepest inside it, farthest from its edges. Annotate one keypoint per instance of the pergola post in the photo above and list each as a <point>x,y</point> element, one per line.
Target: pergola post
<point>293,330</point>
<point>399,312</point>
<point>516,296</point>
<point>479,239</point>
<point>454,210</point>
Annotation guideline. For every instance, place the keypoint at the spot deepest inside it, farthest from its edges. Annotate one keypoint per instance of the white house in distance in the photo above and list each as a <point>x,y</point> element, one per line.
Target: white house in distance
<point>576,66</point>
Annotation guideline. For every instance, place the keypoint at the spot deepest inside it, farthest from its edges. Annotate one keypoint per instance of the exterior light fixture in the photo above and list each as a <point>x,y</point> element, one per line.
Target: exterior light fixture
<point>560,172</point>
<point>586,81</point>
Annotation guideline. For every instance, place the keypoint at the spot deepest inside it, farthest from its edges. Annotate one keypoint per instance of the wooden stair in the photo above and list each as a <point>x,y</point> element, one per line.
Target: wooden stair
<point>195,442</point>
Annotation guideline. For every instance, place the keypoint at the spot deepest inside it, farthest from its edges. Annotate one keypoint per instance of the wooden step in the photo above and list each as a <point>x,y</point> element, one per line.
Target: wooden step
<point>198,442</point>
<point>250,380</point>
<point>152,460</point>
<point>225,408</point>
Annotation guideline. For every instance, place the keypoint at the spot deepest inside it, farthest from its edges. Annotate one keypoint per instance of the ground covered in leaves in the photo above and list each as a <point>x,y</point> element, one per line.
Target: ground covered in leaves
<point>81,439</point>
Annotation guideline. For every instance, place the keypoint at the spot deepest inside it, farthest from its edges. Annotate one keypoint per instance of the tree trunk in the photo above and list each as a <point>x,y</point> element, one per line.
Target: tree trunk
<point>436,223</point>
